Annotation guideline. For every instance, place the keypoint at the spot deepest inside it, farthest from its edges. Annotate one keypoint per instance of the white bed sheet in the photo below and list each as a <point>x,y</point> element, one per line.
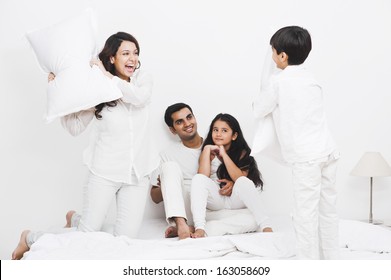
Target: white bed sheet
<point>358,240</point>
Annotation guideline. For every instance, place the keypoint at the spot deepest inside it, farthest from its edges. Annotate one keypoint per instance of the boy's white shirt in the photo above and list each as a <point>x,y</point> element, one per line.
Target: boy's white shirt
<point>265,140</point>
<point>295,100</point>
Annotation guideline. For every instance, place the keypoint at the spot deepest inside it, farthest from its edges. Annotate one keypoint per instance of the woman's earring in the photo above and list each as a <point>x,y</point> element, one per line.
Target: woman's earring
<point>138,65</point>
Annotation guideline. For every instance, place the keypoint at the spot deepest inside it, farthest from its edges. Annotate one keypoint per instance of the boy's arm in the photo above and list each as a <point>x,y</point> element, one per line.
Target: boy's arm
<point>265,102</point>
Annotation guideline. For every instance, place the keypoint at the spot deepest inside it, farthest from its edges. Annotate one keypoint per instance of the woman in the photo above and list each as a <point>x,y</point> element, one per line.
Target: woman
<point>116,158</point>
<point>227,177</point>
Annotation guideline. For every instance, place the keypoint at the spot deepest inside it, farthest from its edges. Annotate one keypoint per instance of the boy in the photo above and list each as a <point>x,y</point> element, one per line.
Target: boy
<point>295,100</point>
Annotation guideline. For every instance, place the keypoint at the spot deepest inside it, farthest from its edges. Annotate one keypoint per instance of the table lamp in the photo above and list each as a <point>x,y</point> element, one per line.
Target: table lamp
<point>371,164</point>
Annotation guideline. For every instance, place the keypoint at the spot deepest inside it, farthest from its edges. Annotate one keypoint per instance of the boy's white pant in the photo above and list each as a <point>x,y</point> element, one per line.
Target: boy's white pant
<point>176,192</point>
<point>205,195</point>
<point>98,196</point>
<point>315,216</point>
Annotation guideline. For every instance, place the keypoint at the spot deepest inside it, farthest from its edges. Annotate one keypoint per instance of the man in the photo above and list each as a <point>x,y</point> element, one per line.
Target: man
<point>179,163</point>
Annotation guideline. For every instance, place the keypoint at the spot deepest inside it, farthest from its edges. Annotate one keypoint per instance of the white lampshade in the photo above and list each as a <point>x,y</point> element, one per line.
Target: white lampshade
<point>372,164</point>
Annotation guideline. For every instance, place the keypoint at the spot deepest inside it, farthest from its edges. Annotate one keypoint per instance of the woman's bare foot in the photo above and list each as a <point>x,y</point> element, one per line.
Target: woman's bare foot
<point>22,247</point>
<point>199,233</point>
<point>68,217</point>
<point>267,229</point>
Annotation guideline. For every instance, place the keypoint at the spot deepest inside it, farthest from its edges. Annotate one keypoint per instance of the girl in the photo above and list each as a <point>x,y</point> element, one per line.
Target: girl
<point>228,177</point>
<point>118,156</point>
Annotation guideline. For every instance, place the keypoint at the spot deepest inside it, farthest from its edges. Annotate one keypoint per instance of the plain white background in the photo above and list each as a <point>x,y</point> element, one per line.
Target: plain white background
<point>208,54</point>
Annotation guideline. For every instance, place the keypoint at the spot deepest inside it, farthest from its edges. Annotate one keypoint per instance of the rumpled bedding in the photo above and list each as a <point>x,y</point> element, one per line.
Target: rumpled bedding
<point>357,240</point>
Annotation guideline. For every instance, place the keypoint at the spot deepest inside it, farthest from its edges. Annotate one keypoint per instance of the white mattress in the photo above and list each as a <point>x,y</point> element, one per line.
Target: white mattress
<point>358,240</point>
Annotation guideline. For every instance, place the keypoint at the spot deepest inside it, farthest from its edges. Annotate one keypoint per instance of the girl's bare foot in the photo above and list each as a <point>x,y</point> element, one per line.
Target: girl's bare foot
<point>22,247</point>
<point>199,233</point>
<point>267,229</point>
<point>68,217</point>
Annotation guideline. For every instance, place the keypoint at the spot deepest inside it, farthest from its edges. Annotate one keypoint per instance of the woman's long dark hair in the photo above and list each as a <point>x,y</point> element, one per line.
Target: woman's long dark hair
<point>239,151</point>
<point>109,50</point>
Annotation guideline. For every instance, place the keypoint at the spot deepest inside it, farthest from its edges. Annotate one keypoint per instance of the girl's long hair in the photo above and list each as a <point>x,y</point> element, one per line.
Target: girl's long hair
<point>239,151</point>
<point>109,50</point>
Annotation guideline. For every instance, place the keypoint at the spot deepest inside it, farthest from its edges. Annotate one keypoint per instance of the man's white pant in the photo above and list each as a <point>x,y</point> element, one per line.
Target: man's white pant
<point>205,195</point>
<point>176,192</point>
<point>315,216</point>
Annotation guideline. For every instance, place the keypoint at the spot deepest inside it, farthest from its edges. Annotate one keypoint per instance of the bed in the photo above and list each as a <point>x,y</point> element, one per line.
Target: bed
<point>358,240</point>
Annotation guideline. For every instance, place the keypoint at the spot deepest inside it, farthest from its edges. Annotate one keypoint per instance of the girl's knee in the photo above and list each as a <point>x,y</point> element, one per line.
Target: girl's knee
<point>199,175</point>
<point>243,184</point>
<point>243,180</point>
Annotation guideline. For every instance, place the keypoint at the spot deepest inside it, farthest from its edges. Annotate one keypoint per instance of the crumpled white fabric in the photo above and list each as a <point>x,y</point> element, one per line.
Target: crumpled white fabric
<point>356,237</point>
<point>362,236</point>
<point>274,245</point>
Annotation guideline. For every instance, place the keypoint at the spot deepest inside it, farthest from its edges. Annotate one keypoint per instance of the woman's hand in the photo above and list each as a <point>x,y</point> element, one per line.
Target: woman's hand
<point>226,187</point>
<point>99,63</point>
<point>51,77</point>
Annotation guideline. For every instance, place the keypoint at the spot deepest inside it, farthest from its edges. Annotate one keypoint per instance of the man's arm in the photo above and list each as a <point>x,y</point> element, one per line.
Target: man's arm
<point>156,194</point>
<point>156,191</point>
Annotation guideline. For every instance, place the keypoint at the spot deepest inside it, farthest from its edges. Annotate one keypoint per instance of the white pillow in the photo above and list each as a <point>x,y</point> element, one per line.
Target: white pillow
<point>266,141</point>
<point>66,49</point>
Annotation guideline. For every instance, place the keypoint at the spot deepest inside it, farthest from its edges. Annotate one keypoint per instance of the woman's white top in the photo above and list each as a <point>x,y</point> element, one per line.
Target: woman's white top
<point>295,99</point>
<point>120,146</point>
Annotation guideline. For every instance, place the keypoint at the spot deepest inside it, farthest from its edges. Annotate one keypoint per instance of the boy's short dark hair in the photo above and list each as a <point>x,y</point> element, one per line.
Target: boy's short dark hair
<point>295,41</point>
<point>171,110</point>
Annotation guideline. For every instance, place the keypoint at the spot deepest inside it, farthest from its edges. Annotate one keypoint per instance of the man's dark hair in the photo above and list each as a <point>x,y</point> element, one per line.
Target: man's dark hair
<point>171,110</point>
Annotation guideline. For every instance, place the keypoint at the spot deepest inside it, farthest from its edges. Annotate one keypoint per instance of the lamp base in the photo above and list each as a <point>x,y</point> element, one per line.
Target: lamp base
<point>374,222</point>
<point>377,222</point>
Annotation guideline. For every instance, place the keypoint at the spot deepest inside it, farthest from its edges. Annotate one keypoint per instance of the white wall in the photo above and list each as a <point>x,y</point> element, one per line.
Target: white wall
<point>208,54</point>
